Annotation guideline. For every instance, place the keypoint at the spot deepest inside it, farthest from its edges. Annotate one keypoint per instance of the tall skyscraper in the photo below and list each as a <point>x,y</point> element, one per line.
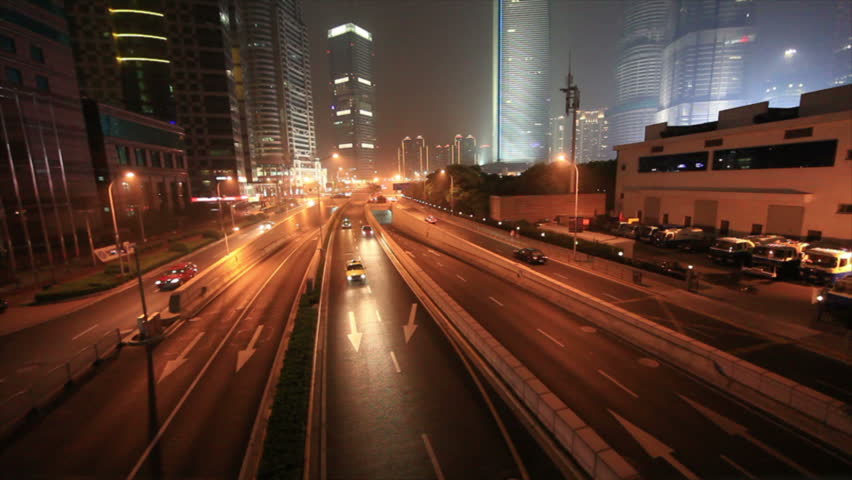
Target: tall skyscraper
<point>593,136</point>
<point>46,175</point>
<point>464,150</point>
<point>201,44</point>
<point>440,156</point>
<point>275,64</point>
<point>522,79</point>
<point>705,63</point>
<point>413,156</point>
<point>121,56</point>
<point>558,134</point>
<point>350,51</point>
<point>842,68</point>
<point>638,70</point>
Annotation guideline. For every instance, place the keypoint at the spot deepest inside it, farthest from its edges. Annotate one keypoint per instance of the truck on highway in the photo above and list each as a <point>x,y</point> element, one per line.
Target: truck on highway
<point>672,237</point>
<point>732,250</point>
<point>826,265</point>
<point>776,260</point>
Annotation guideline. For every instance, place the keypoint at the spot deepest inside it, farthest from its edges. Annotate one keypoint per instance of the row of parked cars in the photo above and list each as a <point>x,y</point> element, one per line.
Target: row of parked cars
<point>769,256</point>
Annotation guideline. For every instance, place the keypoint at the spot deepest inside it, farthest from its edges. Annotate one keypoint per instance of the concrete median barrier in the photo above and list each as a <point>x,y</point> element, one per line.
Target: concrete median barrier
<point>833,422</point>
<point>590,451</point>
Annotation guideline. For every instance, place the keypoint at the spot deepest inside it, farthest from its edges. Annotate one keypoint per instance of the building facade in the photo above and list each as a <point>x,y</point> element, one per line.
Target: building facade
<point>122,141</point>
<point>120,48</point>
<point>201,47</point>
<point>350,52</point>
<point>757,170</point>
<point>705,63</point>
<point>464,150</point>
<point>638,69</point>
<point>440,156</point>
<point>522,80</point>
<point>842,51</point>
<point>412,156</point>
<point>593,136</point>
<point>46,176</point>
<point>558,133</point>
<point>275,66</point>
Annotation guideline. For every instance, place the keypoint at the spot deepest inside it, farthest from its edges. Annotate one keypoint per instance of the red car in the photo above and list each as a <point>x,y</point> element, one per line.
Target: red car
<point>431,219</point>
<point>177,275</point>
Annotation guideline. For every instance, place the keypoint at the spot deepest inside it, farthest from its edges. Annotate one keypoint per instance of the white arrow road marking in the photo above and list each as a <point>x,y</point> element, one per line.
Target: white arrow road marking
<point>461,278</point>
<point>173,365</point>
<point>395,363</point>
<point>654,447</point>
<point>432,457</point>
<point>84,332</point>
<point>551,338</point>
<point>378,316</point>
<point>732,428</point>
<point>618,383</point>
<point>496,301</point>
<point>433,252</point>
<point>354,336</point>
<point>738,468</point>
<point>244,355</point>
<point>409,328</point>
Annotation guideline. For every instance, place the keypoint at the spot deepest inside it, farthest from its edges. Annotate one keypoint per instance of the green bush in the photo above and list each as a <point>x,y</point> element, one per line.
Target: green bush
<point>212,234</point>
<point>179,247</point>
<point>76,288</point>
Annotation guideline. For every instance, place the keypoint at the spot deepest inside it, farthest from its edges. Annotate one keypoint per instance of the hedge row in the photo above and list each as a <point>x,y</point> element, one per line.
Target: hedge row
<point>284,447</point>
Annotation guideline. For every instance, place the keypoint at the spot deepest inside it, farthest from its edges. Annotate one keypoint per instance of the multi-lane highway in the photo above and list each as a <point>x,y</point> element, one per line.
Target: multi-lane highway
<point>209,376</point>
<point>665,422</point>
<point>400,402</point>
<point>821,373</point>
<point>25,356</point>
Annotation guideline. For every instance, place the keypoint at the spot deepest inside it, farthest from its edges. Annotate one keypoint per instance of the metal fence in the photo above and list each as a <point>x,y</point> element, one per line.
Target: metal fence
<point>15,408</point>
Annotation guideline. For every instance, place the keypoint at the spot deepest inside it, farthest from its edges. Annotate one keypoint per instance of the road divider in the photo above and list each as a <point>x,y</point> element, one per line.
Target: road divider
<point>820,415</point>
<point>577,438</point>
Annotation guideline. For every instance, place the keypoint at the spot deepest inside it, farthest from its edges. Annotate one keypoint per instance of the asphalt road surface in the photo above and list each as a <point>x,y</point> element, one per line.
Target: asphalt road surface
<point>209,376</point>
<point>25,356</point>
<point>400,403</point>
<point>665,422</point>
<point>823,374</point>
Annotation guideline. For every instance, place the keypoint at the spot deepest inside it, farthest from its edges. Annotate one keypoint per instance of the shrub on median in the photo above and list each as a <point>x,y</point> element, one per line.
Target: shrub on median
<point>212,234</point>
<point>179,247</point>
<point>78,287</point>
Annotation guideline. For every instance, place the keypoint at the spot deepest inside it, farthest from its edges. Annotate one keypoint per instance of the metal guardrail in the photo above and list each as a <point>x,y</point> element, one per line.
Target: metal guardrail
<point>16,407</point>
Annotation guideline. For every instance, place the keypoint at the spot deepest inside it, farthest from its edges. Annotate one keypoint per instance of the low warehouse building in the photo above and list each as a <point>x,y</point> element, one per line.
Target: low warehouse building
<point>757,170</point>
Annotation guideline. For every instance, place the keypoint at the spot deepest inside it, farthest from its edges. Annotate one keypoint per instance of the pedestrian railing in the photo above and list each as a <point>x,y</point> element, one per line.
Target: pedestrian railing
<point>17,407</point>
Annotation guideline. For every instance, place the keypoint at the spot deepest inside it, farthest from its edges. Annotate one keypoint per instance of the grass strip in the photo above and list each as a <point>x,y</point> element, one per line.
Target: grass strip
<point>284,446</point>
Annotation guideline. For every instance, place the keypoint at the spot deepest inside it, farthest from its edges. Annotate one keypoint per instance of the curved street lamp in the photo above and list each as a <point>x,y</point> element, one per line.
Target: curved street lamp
<point>561,158</point>
<point>115,222</point>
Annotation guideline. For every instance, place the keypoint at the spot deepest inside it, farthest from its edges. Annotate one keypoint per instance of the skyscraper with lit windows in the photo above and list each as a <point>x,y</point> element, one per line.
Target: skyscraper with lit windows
<point>350,55</point>
<point>522,80</point>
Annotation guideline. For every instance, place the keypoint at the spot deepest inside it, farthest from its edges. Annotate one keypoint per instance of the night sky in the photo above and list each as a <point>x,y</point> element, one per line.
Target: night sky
<point>433,58</point>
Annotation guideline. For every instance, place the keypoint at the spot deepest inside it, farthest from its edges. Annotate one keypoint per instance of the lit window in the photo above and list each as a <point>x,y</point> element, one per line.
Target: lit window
<point>338,81</point>
<point>340,113</point>
<point>366,113</point>
<point>344,145</point>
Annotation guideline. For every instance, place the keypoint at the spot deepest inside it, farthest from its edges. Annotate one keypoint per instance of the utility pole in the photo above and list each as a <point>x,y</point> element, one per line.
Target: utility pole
<point>572,104</point>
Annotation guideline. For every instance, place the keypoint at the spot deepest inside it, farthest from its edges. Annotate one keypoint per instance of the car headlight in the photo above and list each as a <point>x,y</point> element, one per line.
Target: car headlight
<point>174,280</point>
<point>157,282</point>
<point>363,276</point>
<point>349,277</point>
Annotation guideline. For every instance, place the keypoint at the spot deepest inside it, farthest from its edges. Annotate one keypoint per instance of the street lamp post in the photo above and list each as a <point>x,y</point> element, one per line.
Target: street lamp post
<point>561,158</point>
<point>452,197</point>
<point>115,222</point>
<point>221,220</point>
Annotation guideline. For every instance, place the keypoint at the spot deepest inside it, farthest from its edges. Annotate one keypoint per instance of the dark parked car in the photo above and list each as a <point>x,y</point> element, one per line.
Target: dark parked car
<point>177,275</point>
<point>672,269</point>
<point>531,255</point>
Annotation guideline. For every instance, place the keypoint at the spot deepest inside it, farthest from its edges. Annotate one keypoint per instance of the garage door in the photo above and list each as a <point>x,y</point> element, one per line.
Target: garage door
<point>651,211</point>
<point>705,213</point>
<point>785,220</point>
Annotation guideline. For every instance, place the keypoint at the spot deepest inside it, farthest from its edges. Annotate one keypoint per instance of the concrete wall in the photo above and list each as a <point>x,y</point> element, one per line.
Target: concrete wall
<point>745,196</point>
<point>536,207</point>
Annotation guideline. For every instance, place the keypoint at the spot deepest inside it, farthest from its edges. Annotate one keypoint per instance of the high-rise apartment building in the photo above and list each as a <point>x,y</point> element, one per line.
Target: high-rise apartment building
<point>638,70</point>
<point>705,63</point>
<point>412,156</point>
<point>521,79</point>
<point>47,183</point>
<point>350,52</point>
<point>842,52</point>
<point>121,54</point>
<point>440,156</point>
<point>275,65</point>
<point>200,48</point>
<point>464,150</point>
<point>558,134</point>
<point>593,136</point>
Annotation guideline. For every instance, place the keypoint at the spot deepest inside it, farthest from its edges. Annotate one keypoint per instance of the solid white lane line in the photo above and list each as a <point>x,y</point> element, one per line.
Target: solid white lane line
<point>617,299</point>
<point>395,363</point>
<point>378,316</point>
<point>560,276</point>
<point>496,301</point>
<point>461,278</point>
<point>617,383</point>
<point>551,338</point>
<point>738,468</point>
<point>435,465</point>
<point>84,332</point>
<point>409,252</point>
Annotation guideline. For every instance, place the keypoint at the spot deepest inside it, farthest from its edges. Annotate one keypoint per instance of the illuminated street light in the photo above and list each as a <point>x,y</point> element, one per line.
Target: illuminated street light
<point>561,158</point>
<point>115,222</point>
<point>221,221</point>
